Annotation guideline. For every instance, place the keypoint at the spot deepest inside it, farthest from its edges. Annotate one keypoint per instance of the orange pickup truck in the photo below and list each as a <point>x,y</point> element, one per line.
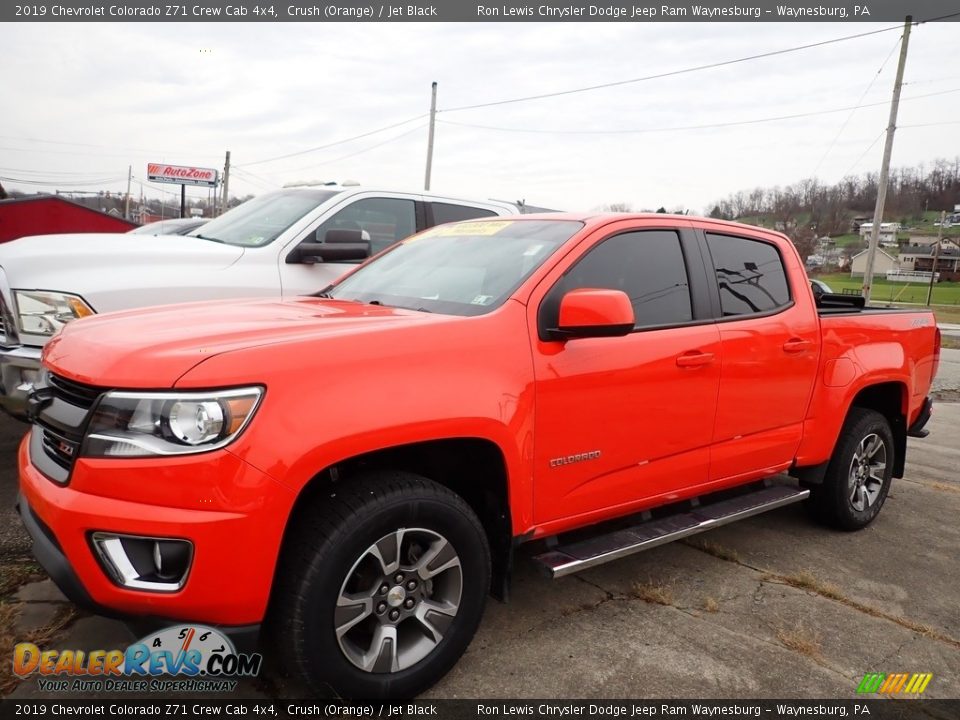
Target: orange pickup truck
<point>356,468</point>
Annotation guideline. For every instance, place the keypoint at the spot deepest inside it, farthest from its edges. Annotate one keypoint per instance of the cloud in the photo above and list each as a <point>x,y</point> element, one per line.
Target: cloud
<point>185,93</point>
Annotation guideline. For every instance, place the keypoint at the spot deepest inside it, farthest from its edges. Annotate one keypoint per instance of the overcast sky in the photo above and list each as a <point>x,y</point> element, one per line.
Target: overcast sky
<point>83,101</point>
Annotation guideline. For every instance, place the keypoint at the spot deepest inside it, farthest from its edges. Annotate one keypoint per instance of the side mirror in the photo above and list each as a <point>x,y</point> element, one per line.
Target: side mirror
<point>590,312</point>
<point>337,246</point>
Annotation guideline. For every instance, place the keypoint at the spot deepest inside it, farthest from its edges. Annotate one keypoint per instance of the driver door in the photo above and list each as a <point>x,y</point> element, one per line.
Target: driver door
<point>623,420</point>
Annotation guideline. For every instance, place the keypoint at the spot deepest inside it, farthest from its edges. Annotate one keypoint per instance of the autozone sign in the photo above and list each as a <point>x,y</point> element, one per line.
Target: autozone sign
<point>182,175</point>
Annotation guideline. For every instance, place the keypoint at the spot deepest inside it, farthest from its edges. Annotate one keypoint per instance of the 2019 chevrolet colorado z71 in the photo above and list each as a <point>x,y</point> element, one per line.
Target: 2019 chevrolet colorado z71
<point>356,468</point>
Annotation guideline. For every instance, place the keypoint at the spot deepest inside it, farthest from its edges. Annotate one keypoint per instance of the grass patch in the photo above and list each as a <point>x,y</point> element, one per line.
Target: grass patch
<point>13,574</point>
<point>950,342</point>
<point>41,637</point>
<point>944,294</point>
<point>654,593</point>
<point>710,604</point>
<point>805,580</point>
<point>715,549</point>
<point>800,640</point>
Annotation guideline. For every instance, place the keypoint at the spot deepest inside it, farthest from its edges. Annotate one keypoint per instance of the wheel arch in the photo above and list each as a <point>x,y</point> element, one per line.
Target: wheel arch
<point>890,399</point>
<point>472,467</point>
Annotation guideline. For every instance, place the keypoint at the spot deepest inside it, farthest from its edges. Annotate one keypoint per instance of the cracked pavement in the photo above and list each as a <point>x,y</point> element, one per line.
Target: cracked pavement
<point>592,635</point>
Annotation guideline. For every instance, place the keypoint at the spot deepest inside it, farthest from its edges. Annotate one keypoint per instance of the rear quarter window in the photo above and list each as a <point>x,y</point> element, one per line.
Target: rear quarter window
<point>449,212</point>
<point>750,275</point>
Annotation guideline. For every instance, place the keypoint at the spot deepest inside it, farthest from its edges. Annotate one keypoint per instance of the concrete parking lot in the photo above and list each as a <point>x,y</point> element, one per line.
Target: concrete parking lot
<point>772,606</point>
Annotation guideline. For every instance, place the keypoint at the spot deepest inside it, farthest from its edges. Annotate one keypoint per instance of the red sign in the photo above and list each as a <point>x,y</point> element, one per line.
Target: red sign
<point>182,175</point>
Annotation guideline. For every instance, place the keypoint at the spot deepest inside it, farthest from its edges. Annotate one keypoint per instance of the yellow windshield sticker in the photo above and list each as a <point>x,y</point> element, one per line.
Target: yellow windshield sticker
<point>491,227</point>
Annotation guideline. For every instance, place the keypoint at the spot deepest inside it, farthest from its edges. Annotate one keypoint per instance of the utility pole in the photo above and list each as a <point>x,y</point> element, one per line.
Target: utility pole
<point>885,164</point>
<point>433,120</point>
<point>226,184</point>
<point>126,210</point>
<point>936,257</point>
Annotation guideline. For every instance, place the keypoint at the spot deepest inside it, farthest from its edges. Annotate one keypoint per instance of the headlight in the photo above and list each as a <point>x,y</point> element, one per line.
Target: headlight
<point>44,313</point>
<point>144,424</point>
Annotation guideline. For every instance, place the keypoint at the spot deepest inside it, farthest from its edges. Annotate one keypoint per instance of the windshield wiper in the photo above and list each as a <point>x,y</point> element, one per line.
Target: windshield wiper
<point>325,295</point>
<point>211,239</point>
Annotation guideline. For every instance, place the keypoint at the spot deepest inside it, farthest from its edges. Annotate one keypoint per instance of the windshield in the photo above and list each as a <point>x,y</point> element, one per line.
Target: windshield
<point>259,221</point>
<point>466,268</point>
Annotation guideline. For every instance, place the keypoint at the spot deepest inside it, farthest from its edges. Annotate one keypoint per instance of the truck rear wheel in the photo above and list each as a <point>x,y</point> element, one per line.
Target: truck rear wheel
<point>859,474</point>
<point>382,587</point>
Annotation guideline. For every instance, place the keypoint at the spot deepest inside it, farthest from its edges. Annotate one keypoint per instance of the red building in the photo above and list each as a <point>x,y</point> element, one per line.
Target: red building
<point>50,214</point>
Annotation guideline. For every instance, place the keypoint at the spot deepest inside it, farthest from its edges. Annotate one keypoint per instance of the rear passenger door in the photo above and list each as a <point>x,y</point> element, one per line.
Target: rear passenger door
<point>622,419</point>
<point>770,353</point>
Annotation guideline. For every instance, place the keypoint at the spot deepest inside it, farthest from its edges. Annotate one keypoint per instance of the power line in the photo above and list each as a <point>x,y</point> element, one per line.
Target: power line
<point>360,152</point>
<point>707,126</point>
<point>864,153</point>
<point>697,68</point>
<point>64,183</point>
<point>336,142</point>
<point>671,73</point>
<point>857,107</point>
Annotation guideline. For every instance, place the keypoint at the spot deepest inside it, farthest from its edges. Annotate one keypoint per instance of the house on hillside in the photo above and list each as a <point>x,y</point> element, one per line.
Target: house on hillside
<point>888,233</point>
<point>882,264</point>
<point>918,258</point>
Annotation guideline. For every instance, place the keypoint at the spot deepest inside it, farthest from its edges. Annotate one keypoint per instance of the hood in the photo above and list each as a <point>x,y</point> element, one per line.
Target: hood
<point>154,347</point>
<point>83,263</point>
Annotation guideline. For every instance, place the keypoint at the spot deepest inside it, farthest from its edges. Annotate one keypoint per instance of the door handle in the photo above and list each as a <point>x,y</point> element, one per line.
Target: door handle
<point>694,358</point>
<point>797,345</point>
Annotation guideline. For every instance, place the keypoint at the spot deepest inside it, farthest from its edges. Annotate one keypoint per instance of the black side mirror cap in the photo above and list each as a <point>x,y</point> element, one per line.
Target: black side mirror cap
<point>337,246</point>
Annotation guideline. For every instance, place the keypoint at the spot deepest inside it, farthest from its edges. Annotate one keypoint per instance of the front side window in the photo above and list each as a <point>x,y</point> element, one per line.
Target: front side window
<point>647,265</point>
<point>384,220</point>
<point>466,268</point>
<point>750,275</point>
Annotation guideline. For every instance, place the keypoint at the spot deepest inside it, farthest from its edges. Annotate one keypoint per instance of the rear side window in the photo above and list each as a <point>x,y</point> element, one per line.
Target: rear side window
<point>750,275</point>
<point>648,266</point>
<point>447,212</point>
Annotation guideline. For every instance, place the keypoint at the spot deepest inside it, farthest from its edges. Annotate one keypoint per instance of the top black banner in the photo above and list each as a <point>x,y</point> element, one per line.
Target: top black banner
<point>472,11</point>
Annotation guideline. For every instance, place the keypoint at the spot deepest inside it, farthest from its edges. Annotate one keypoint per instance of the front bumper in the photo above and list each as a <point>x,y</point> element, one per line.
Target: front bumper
<point>236,541</point>
<point>18,367</point>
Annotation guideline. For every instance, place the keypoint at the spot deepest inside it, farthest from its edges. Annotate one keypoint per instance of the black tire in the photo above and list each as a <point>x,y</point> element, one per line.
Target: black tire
<point>329,548</point>
<point>848,499</point>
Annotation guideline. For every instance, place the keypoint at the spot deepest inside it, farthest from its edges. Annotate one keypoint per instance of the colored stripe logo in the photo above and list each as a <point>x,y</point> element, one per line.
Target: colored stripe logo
<point>895,683</point>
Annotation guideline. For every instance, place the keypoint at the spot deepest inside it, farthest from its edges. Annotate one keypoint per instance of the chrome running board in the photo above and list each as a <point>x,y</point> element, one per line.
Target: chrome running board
<point>565,559</point>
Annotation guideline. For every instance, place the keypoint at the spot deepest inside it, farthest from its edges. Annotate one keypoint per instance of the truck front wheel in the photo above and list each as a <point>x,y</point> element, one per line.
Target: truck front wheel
<point>859,474</point>
<point>382,586</point>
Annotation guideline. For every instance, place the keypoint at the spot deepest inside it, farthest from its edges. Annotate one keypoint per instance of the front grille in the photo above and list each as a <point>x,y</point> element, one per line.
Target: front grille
<point>60,448</point>
<point>3,321</point>
<point>60,422</point>
<point>73,392</point>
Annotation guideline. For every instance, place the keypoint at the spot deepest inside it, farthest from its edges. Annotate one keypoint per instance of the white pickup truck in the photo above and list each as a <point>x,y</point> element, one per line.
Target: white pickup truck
<point>275,244</point>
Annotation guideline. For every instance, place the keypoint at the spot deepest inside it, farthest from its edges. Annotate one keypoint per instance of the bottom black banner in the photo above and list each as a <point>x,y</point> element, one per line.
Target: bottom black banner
<point>874,709</point>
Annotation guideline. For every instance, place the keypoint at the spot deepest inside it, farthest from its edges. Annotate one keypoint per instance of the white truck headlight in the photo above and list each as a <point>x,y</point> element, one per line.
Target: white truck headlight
<point>141,424</point>
<point>41,312</point>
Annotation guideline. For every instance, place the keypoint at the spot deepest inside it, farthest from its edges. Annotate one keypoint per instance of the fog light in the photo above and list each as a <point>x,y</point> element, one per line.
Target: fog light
<point>144,563</point>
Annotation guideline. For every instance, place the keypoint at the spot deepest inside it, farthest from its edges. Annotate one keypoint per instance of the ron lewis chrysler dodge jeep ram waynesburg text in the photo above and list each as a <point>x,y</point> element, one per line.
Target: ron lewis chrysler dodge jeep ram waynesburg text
<point>355,469</point>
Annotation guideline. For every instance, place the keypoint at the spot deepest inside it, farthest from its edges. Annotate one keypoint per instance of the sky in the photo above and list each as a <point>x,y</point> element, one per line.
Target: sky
<point>82,102</point>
